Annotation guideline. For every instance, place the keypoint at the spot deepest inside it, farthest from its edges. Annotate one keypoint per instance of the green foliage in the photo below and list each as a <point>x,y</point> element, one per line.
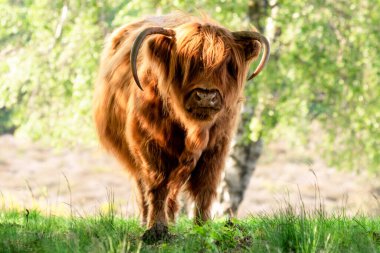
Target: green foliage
<point>324,68</point>
<point>328,71</point>
<point>47,75</point>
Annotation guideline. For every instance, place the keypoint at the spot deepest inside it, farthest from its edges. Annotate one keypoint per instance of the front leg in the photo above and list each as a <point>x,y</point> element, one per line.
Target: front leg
<point>156,165</point>
<point>157,196</point>
<point>204,180</point>
<point>141,199</point>
<point>195,143</point>
<point>157,220</point>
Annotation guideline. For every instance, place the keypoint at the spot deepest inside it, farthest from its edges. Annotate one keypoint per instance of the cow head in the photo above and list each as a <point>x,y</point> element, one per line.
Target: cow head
<point>201,67</point>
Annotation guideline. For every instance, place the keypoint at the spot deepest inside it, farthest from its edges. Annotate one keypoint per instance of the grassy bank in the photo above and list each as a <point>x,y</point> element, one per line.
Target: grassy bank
<point>281,232</point>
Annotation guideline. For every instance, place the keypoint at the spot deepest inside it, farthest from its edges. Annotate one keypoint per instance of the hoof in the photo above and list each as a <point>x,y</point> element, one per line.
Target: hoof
<point>156,233</point>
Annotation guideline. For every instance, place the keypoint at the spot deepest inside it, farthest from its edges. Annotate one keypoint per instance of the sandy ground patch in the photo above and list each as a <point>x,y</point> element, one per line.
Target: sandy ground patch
<point>82,181</point>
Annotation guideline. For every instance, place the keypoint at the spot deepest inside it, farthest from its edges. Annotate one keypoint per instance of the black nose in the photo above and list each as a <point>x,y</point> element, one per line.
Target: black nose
<point>211,96</point>
<point>206,98</point>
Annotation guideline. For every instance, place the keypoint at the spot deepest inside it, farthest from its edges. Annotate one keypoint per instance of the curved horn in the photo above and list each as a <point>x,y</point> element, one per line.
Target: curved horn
<point>137,44</point>
<point>248,35</point>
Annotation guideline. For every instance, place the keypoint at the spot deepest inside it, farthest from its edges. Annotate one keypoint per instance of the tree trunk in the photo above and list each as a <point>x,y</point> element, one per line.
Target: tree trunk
<point>244,154</point>
<point>239,168</point>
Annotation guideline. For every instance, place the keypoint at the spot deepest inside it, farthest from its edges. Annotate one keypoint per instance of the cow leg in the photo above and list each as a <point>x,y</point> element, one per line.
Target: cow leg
<point>195,143</point>
<point>157,205</point>
<point>142,202</point>
<point>172,206</point>
<point>204,180</point>
<point>178,178</point>
<point>202,187</point>
<point>157,221</point>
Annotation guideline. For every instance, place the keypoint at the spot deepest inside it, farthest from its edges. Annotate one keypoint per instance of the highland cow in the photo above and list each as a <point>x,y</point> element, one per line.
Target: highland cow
<point>167,101</point>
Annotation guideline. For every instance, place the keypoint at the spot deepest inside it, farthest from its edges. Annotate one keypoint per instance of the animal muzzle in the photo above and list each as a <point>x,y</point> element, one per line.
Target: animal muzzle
<point>203,104</point>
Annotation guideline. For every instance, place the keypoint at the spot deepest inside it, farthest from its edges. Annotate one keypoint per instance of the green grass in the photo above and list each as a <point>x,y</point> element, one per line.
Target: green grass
<point>284,231</point>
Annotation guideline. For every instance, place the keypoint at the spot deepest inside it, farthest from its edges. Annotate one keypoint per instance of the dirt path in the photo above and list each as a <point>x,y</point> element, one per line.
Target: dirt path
<point>83,181</point>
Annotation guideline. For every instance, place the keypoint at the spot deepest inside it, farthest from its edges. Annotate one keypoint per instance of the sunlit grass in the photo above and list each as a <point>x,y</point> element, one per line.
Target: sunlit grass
<point>287,230</point>
<point>292,228</point>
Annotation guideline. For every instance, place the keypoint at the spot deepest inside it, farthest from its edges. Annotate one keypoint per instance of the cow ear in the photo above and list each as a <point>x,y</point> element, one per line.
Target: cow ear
<point>250,42</point>
<point>251,49</point>
<point>160,48</point>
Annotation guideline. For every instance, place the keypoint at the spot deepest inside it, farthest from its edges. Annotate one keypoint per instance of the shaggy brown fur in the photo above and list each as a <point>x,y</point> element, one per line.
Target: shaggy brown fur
<point>163,135</point>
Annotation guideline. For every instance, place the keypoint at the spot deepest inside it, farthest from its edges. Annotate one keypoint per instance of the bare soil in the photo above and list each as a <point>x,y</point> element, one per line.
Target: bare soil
<point>84,181</point>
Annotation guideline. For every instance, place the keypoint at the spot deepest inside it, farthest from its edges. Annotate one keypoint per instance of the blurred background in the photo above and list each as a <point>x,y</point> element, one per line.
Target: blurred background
<point>310,129</point>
